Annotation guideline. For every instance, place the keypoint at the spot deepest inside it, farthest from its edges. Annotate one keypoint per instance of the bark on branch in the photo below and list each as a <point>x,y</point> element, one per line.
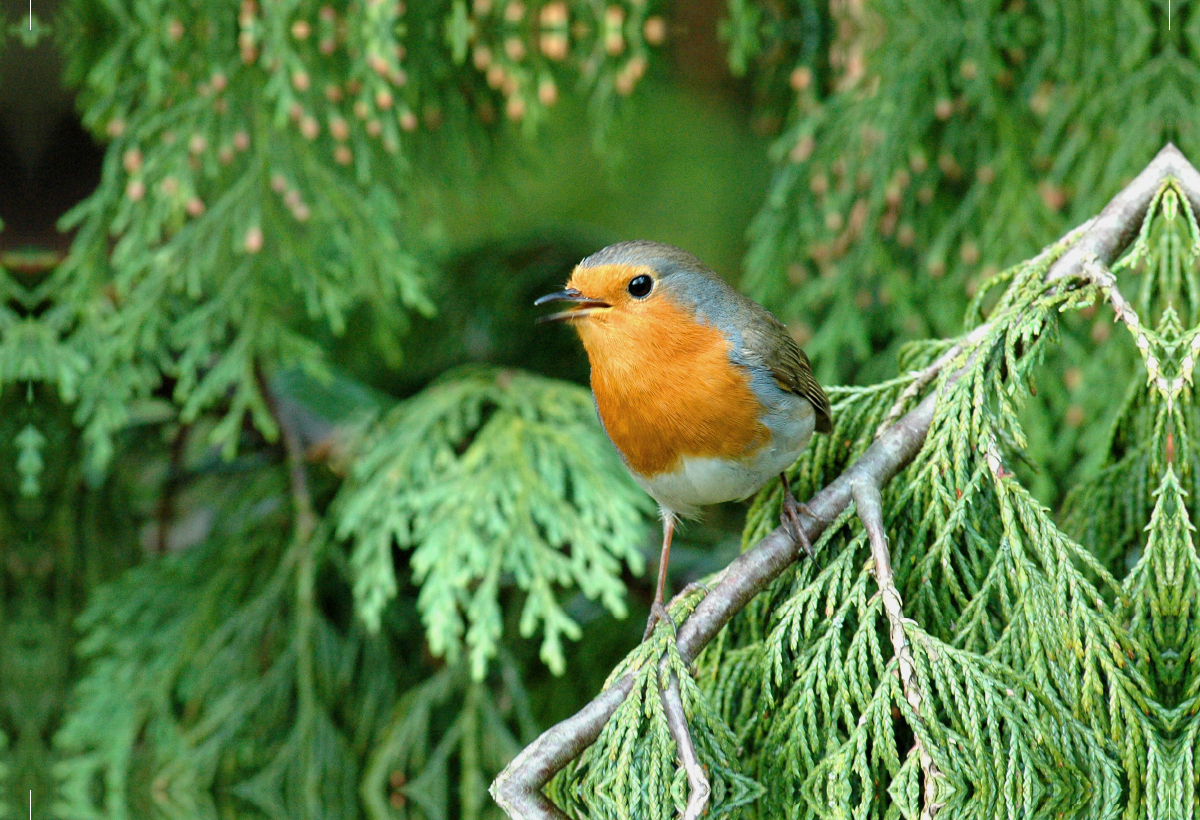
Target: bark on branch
<point>698,788</point>
<point>518,789</point>
<point>1118,223</point>
<point>868,502</point>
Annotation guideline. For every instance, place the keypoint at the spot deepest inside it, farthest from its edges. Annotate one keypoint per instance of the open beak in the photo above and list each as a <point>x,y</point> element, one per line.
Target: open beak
<point>583,305</point>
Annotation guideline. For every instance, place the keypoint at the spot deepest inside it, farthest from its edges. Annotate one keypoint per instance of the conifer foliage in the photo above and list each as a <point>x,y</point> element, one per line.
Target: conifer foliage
<point>254,205</point>
<point>924,146</point>
<point>268,152</point>
<point>497,474</point>
<point>336,603</point>
<point>1007,663</point>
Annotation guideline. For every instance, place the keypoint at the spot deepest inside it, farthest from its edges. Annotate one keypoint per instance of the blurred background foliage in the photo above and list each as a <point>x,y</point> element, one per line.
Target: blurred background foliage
<point>250,249</point>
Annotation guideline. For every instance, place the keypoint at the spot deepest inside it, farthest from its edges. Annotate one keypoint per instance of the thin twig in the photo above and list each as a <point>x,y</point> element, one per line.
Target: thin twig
<point>518,789</point>
<point>698,788</point>
<point>922,377</point>
<point>304,522</point>
<point>868,502</point>
<point>1095,271</point>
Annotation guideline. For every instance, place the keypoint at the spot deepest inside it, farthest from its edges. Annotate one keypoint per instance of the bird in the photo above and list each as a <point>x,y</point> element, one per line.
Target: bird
<point>703,392</point>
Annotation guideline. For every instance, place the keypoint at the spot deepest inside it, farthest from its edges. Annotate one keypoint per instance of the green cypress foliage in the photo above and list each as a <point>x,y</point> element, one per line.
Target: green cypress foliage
<point>255,204</point>
<point>378,638</point>
<point>924,146</point>
<point>492,475</point>
<point>1048,685</point>
<point>256,176</point>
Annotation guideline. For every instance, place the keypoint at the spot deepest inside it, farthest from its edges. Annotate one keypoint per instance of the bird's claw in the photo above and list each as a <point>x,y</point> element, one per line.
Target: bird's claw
<point>789,516</point>
<point>693,586</point>
<point>658,612</point>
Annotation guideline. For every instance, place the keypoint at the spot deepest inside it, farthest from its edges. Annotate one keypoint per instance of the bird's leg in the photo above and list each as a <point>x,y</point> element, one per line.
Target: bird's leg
<point>789,516</point>
<point>657,610</point>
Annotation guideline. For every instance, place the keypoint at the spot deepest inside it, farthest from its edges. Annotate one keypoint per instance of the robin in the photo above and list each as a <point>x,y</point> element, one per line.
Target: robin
<point>704,393</point>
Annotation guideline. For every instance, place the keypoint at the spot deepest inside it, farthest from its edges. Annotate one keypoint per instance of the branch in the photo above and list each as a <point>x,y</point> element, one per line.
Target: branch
<point>921,378</point>
<point>1098,241</point>
<point>698,787</point>
<point>518,789</point>
<point>868,501</point>
<point>1114,227</point>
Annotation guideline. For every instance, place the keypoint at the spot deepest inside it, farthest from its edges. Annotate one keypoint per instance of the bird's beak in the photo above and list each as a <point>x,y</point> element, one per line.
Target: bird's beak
<point>584,305</point>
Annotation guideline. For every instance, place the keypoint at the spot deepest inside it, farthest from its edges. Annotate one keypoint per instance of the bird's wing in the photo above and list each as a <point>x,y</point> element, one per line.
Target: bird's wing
<point>778,351</point>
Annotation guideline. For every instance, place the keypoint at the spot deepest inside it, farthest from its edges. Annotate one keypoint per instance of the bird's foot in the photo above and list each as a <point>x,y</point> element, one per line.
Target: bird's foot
<point>789,516</point>
<point>693,586</point>
<point>658,612</point>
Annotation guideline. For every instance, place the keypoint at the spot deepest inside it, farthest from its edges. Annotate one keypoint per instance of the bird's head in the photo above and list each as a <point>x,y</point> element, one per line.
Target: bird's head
<point>627,285</point>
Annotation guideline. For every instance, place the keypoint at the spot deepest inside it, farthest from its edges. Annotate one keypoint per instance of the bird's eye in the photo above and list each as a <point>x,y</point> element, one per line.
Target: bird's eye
<point>640,286</point>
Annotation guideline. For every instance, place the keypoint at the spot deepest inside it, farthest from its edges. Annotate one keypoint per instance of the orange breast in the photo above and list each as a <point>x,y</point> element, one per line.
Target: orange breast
<point>665,388</point>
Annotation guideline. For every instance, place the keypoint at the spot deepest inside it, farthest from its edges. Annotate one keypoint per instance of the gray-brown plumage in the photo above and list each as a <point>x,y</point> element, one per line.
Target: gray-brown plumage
<point>789,365</point>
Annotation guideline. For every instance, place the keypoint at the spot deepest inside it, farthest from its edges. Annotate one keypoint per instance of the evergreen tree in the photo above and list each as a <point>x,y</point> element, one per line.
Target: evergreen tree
<point>958,651</point>
<point>303,518</point>
<point>923,147</point>
<point>255,207</point>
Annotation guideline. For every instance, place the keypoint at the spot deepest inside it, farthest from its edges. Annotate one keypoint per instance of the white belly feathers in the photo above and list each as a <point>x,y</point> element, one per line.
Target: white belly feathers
<point>698,481</point>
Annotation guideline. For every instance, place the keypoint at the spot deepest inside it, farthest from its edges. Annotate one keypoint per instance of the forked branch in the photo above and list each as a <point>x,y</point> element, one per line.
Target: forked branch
<point>518,789</point>
<point>698,788</point>
<point>868,502</point>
